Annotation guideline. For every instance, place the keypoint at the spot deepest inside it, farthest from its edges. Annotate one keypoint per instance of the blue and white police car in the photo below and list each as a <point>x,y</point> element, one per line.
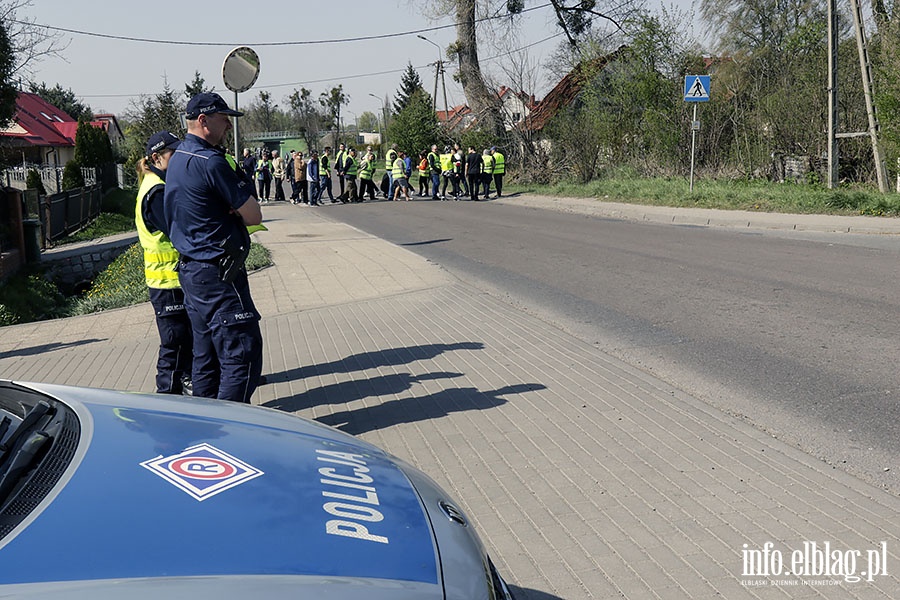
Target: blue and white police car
<point>107,494</point>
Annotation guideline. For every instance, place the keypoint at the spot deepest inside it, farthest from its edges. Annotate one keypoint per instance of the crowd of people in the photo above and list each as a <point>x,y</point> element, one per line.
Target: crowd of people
<point>453,173</point>
<point>197,205</point>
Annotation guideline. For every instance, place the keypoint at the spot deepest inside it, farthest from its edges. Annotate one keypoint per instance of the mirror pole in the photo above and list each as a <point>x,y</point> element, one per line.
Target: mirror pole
<point>237,154</point>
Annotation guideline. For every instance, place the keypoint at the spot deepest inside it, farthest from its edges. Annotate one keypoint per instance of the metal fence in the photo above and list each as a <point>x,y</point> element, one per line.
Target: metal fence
<point>64,213</point>
<point>51,177</point>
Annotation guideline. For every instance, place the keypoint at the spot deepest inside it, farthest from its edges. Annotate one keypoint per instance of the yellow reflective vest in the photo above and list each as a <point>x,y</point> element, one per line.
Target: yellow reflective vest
<point>499,163</point>
<point>160,256</point>
<point>389,159</point>
<point>398,169</point>
<point>488,161</point>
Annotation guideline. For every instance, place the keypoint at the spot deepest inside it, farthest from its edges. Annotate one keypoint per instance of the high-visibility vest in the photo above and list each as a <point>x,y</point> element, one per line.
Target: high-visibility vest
<point>351,166</point>
<point>446,162</point>
<point>323,166</point>
<point>423,167</point>
<point>398,169</point>
<point>389,160</point>
<point>488,161</point>
<point>339,159</point>
<point>160,256</point>
<point>433,160</point>
<point>499,163</point>
<point>367,168</point>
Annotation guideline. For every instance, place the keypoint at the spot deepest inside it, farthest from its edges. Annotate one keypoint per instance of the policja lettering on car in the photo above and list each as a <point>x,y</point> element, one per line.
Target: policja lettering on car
<point>350,513</point>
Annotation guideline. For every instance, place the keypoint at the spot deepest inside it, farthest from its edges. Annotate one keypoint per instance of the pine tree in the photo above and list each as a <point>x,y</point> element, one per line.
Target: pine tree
<point>197,86</point>
<point>415,127</point>
<point>410,83</point>
<point>7,69</point>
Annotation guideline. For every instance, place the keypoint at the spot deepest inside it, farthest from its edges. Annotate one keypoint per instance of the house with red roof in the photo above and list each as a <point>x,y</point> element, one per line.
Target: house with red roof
<point>42,136</point>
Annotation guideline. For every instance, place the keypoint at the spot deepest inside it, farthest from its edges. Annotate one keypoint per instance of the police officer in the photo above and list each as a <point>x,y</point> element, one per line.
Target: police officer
<point>208,208</point>
<point>173,364</point>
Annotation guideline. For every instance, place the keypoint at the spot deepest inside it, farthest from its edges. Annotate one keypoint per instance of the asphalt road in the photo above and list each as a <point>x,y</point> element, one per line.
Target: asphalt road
<point>796,333</point>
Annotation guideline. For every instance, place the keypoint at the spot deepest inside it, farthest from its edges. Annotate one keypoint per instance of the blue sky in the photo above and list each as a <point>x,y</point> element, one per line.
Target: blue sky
<point>107,73</point>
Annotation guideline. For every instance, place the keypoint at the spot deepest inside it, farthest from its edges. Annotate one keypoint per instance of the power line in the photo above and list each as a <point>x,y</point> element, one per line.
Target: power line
<point>262,44</point>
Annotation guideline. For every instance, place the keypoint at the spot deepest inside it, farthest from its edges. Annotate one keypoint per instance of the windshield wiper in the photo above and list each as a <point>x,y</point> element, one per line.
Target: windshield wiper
<point>22,460</point>
<point>28,421</point>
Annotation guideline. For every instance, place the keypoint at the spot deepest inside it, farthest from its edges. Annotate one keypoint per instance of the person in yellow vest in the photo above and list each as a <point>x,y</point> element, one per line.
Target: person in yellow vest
<point>367,175</point>
<point>401,181</point>
<point>446,160</point>
<point>339,160</point>
<point>351,170</point>
<point>487,172</point>
<point>176,350</point>
<point>499,169</point>
<point>389,160</point>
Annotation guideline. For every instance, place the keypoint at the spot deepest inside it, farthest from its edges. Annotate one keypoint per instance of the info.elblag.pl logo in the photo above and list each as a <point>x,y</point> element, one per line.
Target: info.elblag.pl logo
<point>813,564</point>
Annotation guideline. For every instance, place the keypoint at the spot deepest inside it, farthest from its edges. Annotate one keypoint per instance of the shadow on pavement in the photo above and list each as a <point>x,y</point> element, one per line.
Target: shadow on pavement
<point>47,348</point>
<point>348,391</point>
<point>372,360</point>
<point>423,408</point>
<point>524,594</point>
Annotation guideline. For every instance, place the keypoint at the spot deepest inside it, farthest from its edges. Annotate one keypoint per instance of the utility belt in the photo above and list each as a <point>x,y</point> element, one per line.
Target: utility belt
<point>230,264</point>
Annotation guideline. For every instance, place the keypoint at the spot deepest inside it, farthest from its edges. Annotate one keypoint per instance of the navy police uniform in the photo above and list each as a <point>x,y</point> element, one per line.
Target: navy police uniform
<point>173,365</point>
<point>202,194</point>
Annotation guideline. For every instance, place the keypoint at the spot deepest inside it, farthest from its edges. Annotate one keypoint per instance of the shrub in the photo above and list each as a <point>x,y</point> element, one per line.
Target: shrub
<point>27,297</point>
<point>33,182</point>
<point>72,178</point>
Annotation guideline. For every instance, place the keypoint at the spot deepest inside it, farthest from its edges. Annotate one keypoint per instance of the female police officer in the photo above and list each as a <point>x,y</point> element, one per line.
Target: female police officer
<point>208,207</point>
<point>173,365</point>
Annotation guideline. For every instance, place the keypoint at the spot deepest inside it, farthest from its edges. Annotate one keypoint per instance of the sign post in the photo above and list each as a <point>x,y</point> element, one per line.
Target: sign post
<point>239,72</point>
<point>696,89</point>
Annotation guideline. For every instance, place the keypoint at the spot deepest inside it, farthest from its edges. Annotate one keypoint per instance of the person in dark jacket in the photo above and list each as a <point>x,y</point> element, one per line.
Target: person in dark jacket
<point>473,172</point>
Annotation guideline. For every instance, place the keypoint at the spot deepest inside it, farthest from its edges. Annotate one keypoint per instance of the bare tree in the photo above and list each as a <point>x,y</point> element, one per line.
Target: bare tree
<point>28,40</point>
<point>306,115</point>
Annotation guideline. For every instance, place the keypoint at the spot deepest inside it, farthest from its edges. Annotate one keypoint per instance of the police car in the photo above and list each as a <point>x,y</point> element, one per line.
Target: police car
<point>107,494</point>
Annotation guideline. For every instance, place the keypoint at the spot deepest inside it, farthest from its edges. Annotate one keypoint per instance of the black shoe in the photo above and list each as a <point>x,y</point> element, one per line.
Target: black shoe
<point>187,387</point>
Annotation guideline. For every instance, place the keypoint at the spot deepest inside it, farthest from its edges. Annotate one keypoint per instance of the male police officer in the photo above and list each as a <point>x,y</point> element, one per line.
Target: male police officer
<point>208,208</point>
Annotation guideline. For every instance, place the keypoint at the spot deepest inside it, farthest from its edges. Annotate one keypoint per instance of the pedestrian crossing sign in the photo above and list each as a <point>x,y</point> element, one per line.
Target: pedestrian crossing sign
<point>696,88</point>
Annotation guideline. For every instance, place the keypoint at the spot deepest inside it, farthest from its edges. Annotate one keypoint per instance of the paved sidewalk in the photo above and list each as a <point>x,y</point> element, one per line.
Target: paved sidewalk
<point>586,477</point>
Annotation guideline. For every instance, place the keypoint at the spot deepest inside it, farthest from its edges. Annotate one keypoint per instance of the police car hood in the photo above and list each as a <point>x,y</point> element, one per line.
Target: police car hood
<point>185,488</point>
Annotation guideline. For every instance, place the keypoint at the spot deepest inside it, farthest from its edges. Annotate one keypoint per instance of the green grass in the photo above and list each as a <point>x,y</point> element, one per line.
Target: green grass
<point>28,296</point>
<point>758,196</point>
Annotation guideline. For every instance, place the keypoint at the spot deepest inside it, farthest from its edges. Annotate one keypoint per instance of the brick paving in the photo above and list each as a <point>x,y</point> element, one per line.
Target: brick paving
<point>586,477</point>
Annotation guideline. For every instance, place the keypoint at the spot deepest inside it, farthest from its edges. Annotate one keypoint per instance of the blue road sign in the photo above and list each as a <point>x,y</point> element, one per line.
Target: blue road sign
<point>696,88</point>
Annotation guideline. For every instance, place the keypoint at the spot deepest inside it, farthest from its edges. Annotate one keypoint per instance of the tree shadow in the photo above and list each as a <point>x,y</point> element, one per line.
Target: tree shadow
<point>372,360</point>
<point>348,391</point>
<point>32,350</point>
<point>422,408</point>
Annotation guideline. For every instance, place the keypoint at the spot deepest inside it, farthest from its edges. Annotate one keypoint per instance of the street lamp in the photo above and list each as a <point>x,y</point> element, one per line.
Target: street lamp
<point>438,71</point>
<point>383,127</point>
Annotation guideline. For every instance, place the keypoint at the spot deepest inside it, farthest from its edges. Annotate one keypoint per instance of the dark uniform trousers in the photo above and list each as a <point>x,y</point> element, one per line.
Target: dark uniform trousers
<point>175,348</point>
<point>227,337</point>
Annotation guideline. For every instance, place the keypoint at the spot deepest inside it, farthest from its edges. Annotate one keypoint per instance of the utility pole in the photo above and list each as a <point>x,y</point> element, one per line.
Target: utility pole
<point>866,69</point>
<point>438,72</point>
<point>832,94</point>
